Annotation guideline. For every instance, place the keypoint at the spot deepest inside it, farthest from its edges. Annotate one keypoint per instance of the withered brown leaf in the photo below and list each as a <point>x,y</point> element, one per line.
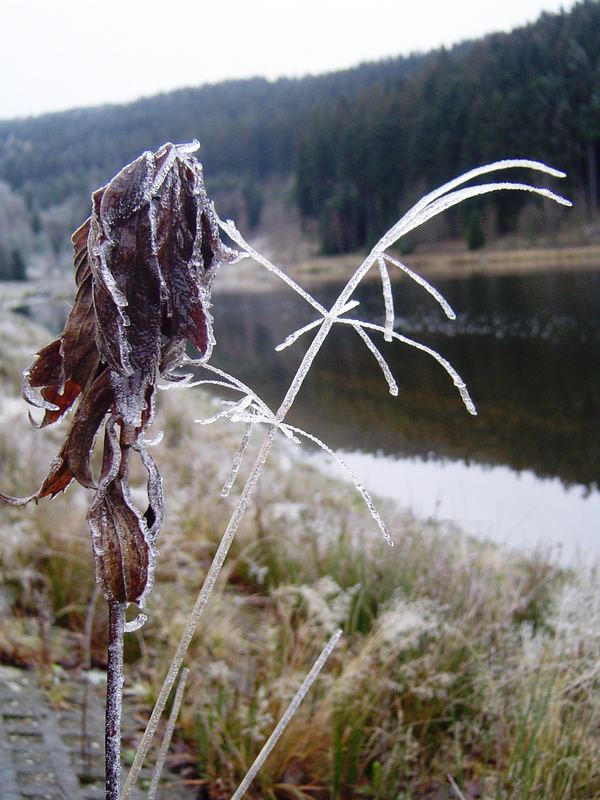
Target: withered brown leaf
<point>144,266</point>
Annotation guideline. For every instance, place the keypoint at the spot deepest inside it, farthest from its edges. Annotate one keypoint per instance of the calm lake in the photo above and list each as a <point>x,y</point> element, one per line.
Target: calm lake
<point>524,471</point>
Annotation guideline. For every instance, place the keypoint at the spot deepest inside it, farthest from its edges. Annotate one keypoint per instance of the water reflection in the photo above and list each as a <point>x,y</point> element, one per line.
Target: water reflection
<point>524,471</point>
<point>527,347</point>
<point>517,510</point>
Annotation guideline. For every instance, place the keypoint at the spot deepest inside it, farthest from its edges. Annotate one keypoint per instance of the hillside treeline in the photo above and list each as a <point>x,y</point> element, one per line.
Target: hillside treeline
<point>360,144</point>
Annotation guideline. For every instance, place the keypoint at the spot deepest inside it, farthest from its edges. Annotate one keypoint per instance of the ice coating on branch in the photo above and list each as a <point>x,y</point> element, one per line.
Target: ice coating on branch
<point>446,307</point>
<point>144,265</point>
<point>388,299</point>
<point>114,697</point>
<point>252,411</point>
<point>456,379</point>
<point>358,485</point>
<point>393,387</point>
<point>164,747</point>
<point>287,716</point>
<point>237,460</point>
<point>276,421</point>
<point>293,337</point>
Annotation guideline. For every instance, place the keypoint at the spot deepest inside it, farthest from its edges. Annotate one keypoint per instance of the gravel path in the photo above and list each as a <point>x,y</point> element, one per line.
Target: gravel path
<point>44,754</point>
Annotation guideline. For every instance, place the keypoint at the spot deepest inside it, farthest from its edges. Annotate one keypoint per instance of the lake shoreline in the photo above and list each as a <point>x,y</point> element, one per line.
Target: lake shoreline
<point>444,260</point>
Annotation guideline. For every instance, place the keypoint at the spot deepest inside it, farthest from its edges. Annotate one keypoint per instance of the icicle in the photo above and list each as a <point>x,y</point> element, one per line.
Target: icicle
<point>448,311</point>
<point>388,300</point>
<point>135,624</point>
<point>287,716</point>
<point>380,359</point>
<point>237,460</point>
<point>32,397</point>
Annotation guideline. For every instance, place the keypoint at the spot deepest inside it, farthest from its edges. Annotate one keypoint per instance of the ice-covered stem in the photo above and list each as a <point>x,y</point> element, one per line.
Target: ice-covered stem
<point>114,691</point>
<point>200,604</point>
<point>219,559</point>
<point>164,748</point>
<point>287,716</point>
<point>431,205</point>
<point>86,659</point>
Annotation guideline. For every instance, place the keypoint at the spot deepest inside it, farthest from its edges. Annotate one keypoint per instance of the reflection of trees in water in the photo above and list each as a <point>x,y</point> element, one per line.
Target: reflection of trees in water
<point>538,398</point>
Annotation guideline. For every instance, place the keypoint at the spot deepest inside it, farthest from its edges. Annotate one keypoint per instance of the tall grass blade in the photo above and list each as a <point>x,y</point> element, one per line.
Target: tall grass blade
<point>287,716</point>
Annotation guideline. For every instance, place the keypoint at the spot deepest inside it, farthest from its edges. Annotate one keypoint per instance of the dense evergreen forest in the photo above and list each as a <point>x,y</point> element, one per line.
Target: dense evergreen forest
<point>360,144</point>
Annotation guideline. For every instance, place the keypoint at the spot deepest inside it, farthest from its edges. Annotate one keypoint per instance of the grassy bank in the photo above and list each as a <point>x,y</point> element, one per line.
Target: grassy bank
<point>459,662</point>
<point>446,259</point>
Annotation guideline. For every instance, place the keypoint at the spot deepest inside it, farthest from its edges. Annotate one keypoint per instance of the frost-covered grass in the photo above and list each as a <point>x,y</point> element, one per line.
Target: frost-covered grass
<point>457,659</point>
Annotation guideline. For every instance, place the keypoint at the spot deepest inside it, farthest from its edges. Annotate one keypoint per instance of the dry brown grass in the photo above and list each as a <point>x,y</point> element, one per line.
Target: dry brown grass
<point>457,658</point>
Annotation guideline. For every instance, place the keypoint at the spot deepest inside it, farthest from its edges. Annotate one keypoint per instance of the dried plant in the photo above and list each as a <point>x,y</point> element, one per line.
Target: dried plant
<point>144,262</point>
<point>251,410</point>
<point>144,265</point>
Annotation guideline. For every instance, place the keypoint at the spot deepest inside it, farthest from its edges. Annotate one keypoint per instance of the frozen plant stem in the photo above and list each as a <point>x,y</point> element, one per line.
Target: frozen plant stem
<point>114,689</point>
<point>431,205</point>
<point>219,559</point>
<point>164,748</point>
<point>287,716</point>
<point>86,658</point>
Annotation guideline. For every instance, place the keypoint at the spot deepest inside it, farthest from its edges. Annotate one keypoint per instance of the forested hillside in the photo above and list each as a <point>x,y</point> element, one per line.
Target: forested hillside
<point>360,144</point>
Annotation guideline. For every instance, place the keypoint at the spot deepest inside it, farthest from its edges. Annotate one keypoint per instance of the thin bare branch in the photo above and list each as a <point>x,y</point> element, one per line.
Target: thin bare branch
<point>231,230</point>
<point>456,379</point>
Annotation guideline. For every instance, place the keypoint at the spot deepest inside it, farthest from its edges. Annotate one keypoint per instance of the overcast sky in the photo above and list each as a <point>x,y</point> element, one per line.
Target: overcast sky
<point>56,54</point>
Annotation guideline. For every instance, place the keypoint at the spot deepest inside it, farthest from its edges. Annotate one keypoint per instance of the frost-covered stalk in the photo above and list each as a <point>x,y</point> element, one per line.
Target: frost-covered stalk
<point>287,716</point>
<point>252,410</point>
<point>164,747</point>
<point>114,693</point>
